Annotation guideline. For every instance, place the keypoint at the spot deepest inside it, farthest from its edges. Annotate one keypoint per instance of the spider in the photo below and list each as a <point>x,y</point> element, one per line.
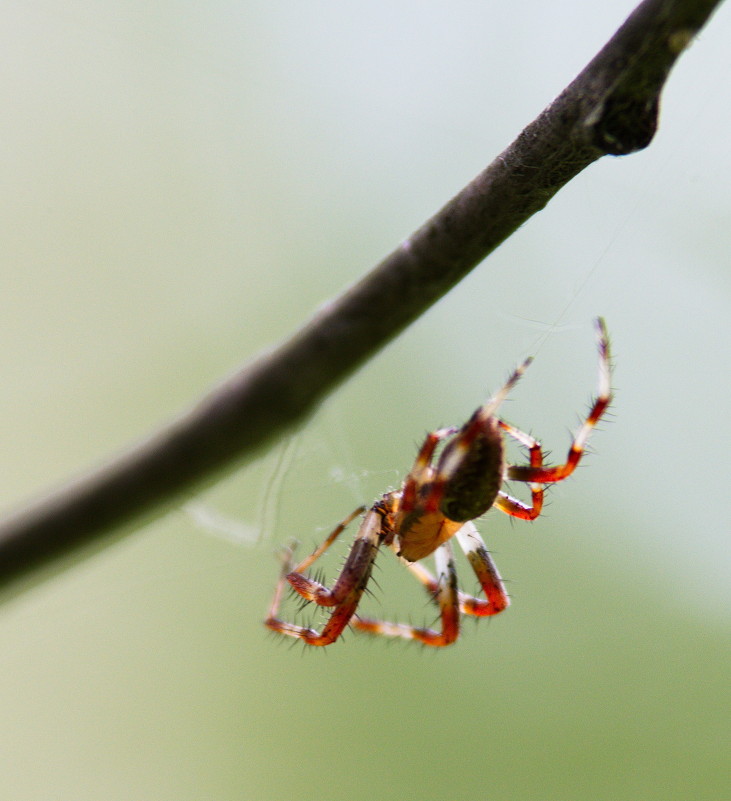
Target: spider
<point>435,503</point>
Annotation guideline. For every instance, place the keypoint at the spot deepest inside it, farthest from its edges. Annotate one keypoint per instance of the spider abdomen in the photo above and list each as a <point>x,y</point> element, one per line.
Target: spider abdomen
<point>422,534</point>
<point>472,464</point>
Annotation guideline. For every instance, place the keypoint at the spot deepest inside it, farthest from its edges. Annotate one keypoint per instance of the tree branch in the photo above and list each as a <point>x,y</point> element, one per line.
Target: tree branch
<point>610,108</point>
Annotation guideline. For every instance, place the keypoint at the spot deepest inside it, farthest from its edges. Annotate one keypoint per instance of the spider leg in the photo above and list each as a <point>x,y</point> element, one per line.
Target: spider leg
<point>422,464</point>
<point>548,475</point>
<point>445,594</point>
<point>512,506</point>
<point>287,555</point>
<point>496,598</point>
<point>329,540</point>
<point>347,590</point>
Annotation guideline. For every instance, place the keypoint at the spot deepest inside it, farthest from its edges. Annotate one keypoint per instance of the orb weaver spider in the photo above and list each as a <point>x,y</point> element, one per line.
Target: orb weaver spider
<point>434,504</point>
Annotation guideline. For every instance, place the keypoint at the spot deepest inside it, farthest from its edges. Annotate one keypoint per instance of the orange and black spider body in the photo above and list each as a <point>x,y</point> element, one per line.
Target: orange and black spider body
<point>474,460</point>
<point>436,503</point>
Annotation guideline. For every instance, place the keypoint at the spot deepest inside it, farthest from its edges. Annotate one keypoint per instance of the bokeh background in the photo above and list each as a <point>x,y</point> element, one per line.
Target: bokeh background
<point>182,184</point>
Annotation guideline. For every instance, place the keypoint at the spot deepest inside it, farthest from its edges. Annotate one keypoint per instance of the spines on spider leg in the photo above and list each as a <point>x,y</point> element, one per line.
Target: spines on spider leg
<point>333,628</point>
<point>355,572</point>
<point>331,537</point>
<point>513,506</point>
<point>516,508</point>
<point>422,465</point>
<point>487,574</point>
<point>605,359</point>
<point>603,398</point>
<point>348,588</point>
<point>312,588</point>
<point>446,597</point>
<point>548,475</point>
<point>338,621</point>
<point>286,555</point>
<point>489,409</point>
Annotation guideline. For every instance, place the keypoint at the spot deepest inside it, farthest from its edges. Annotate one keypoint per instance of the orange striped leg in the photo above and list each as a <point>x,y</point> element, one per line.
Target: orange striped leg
<point>496,598</point>
<point>512,506</point>
<point>313,590</point>
<point>549,475</point>
<point>487,574</point>
<point>489,408</point>
<point>446,596</point>
<point>347,591</point>
<point>421,464</point>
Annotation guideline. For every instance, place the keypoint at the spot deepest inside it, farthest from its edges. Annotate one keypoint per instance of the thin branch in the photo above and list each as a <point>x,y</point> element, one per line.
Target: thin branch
<point>610,108</point>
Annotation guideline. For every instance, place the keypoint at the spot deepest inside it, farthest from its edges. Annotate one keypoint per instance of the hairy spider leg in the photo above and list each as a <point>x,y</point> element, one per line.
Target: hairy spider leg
<point>496,598</point>
<point>419,472</point>
<point>287,555</point>
<point>512,506</point>
<point>548,475</point>
<point>329,540</point>
<point>445,594</point>
<point>442,591</point>
<point>348,588</point>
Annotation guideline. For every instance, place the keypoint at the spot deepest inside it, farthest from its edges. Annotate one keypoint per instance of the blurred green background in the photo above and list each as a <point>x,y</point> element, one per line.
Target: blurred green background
<point>182,184</point>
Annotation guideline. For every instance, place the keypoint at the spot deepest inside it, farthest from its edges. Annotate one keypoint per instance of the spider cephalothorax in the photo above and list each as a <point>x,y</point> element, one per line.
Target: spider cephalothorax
<point>435,503</point>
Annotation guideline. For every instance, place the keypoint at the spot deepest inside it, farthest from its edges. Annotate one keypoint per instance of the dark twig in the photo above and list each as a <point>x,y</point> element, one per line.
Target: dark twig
<point>610,108</point>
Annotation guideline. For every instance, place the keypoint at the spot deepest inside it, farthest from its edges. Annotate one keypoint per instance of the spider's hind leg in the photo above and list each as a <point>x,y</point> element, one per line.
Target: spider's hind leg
<point>496,598</point>
<point>445,594</point>
<point>347,590</point>
<point>308,588</point>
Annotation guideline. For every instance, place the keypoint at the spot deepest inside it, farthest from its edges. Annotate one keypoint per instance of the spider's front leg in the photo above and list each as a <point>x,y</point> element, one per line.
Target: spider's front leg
<point>348,588</point>
<point>422,467</point>
<point>551,474</point>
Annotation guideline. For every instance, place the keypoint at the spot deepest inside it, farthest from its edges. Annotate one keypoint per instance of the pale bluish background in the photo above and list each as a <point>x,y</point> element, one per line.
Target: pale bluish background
<point>181,185</point>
